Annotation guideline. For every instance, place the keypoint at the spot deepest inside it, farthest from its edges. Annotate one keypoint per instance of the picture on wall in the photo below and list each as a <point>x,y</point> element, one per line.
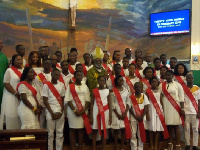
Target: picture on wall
<point>195,59</point>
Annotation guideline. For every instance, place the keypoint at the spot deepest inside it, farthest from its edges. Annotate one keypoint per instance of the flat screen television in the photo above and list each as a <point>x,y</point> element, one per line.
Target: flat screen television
<point>170,23</point>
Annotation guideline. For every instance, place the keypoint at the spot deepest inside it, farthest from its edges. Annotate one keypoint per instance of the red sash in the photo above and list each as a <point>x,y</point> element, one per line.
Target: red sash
<point>31,88</point>
<point>133,62</point>
<point>159,112</point>
<point>137,73</point>
<point>123,109</point>
<point>71,70</point>
<point>80,108</point>
<point>42,78</point>
<point>55,92</point>
<point>112,78</point>
<point>172,101</point>
<point>188,93</point>
<point>62,80</point>
<point>139,112</point>
<point>131,86</point>
<point>27,65</point>
<point>122,72</point>
<point>145,81</point>
<point>161,81</point>
<point>101,113</point>
<point>73,79</point>
<point>105,66</point>
<point>84,70</point>
<point>58,66</point>
<point>113,62</point>
<point>17,72</point>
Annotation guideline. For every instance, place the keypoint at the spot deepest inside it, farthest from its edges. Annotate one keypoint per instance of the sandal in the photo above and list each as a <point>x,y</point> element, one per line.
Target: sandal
<point>170,146</point>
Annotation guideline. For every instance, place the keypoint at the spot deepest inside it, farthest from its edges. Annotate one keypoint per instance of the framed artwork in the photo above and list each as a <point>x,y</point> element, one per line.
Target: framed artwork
<point>195,59</point>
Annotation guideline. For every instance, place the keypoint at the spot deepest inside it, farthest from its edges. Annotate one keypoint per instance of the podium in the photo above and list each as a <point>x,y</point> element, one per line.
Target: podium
<point>24,139</point>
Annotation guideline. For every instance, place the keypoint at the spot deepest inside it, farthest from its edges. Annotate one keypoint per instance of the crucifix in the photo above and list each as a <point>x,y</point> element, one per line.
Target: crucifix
<point>29,22</point>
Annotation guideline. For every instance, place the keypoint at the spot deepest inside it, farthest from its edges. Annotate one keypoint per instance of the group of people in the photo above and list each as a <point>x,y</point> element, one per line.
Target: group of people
<point>116,99</point>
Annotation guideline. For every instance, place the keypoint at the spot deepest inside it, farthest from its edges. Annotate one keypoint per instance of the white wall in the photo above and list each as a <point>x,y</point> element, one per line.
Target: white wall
<point>195,33</point>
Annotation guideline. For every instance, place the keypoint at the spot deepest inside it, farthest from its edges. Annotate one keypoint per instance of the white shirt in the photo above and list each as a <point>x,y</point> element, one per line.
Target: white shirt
<point>188,106</point>
<point>53,102</point>
<point>143,102</point>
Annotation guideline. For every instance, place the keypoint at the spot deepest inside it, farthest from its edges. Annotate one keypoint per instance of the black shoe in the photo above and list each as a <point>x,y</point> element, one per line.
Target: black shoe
<point>187,147</point>
<point>195,148</point>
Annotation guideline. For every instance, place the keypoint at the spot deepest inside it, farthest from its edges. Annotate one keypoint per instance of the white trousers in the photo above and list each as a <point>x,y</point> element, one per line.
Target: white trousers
<point>13,123</point>
<point>135,131</point>
<point>43,119</point>
<point>191,119</point>
<point>57,125</point>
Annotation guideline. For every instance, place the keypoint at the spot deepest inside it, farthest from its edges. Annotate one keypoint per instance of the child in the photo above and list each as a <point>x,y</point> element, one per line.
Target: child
<point>148,74</point>
<point>139,69</point>
<point>163,70</point>
<point>124,69</point>
<point>157,64</point>
<point>156,123</point>
<point>138,109</point>
<point>59,57</point>
<point>131,79</point>
<point>87,63</point>
<point>110,81</point>
<point>100,100</point>
<point>121,102</point>
<point>192,113</point>
<point>53,95</point>
<point>78,99</point>
<point>173,106</point>
<point>38,82</point>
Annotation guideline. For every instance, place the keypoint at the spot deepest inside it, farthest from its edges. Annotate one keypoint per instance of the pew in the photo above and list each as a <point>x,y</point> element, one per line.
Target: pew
<point>24,139</point>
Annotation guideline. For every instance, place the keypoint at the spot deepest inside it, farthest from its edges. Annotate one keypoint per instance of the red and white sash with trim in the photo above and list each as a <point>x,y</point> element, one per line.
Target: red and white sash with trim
<point>105,66</point>
<point>62,80</point>
<point>71,70</point>
<point>188,93</point>
<point>101,113</point>
<point>84,70</point>
<point>123,109</point>
<point>137,73</point>
<point>145,81</point>
<point>172,101</point>
<point>112,78</point>
<point>31,88</point>
<point>55,92</point>
<point>16,71</point>
<point>42,78</point>
<point>130,84</point>
<point>58,66</point>
<point>139,112</point>
<point>80,108</point>
<point>159,112</point>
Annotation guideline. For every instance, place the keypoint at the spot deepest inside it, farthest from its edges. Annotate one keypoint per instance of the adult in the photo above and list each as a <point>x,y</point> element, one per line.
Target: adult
<point>20,49</point>
<point>87,63</point>
<point>4,66</point>
<point>29,108</point>
<point>43,52</point>
<point>116,58</point>
<point>148,60</point>
<point>97,70</point>
<point>34,61</point>
<point>163,58</point>
<point>106,62</point>
<point>59,57</point>
<point>72,57</point>
<point>10,100</point>
<point>173,63</point>
<point>138,53</point>
<point>128,54</point>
